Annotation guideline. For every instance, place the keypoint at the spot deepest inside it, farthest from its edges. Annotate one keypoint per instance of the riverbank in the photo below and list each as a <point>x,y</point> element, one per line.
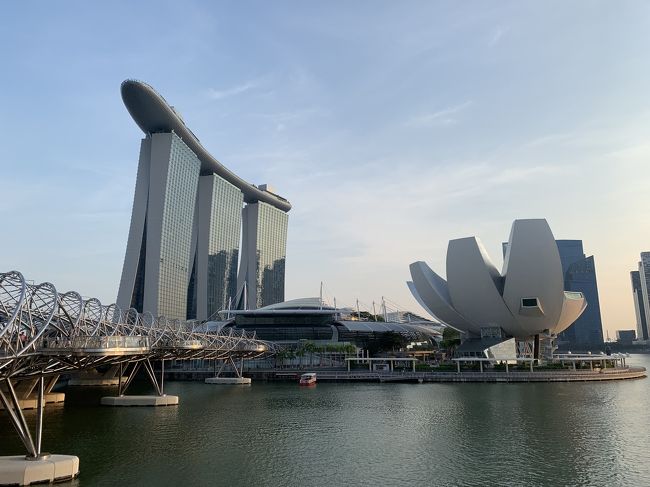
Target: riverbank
<point>331,375</point>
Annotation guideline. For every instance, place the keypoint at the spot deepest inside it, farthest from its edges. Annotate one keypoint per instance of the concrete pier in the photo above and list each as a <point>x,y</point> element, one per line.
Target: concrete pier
<point>92,377</point>
<point>90,381</point>
<point>19,470</point>
<point>149,401</point>
<point>228,380</point>
<point>31,402</point>
<point>27,392</point>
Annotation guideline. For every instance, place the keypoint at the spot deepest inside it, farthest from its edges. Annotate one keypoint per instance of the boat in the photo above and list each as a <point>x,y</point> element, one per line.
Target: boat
<point>308,379</point>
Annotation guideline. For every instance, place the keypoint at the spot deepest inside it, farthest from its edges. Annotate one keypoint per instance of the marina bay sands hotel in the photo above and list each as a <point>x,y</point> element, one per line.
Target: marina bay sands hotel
<point>190,214</point>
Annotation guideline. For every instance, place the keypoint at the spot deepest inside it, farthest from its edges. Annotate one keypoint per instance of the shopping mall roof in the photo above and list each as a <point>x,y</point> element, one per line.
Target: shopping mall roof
<point>300,306</point>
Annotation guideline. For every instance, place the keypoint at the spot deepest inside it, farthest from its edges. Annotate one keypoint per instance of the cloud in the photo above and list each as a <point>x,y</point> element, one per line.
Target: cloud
<point>235,90</point>
<point>290,116</point>
<point>552,140</point>
<point>496,36</point>
<point>282,120</point>
<point>443,117</point>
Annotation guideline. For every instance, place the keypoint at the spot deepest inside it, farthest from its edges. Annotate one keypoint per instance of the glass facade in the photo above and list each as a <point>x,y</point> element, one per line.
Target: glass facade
<point>137,298</point>
<point>281,328</point>
<point>185,246</point>
<point>223,245</point>
<point>299,328</point>
<point>580,276</point>
<point>176,235</point>
<point>639,306</point>
<point>279,320</point>
<point>644,277</point>
<point>198,222</point>
<point>271,249</point>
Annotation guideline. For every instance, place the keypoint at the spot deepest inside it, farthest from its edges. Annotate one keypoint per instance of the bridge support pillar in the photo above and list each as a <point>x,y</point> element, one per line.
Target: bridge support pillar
<point>18,470</point>
<point>28,398</point>
<point>166,400</point>
<point>228,380</point>
<point>237,380</point>
<point>93,377</point>
<point>37,466</point>
<point>159,399</point>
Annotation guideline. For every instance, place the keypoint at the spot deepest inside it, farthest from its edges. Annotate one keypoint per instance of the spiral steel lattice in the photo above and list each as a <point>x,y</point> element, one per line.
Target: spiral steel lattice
<point>46,332</point>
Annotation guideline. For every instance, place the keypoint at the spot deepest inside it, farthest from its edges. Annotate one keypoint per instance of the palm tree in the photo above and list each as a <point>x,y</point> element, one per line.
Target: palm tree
<point>300,353</point>
<point>310,348</point>
<point>279,358</point>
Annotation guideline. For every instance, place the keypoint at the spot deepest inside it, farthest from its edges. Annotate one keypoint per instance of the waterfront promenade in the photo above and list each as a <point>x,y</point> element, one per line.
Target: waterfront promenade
<point>332,375</point>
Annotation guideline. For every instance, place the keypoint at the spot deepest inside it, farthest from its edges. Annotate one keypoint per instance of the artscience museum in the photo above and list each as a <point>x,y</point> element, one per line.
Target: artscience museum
<point>524,304</point>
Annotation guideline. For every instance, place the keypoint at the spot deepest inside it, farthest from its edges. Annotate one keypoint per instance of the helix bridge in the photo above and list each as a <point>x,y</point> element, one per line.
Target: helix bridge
<point>45,333</point>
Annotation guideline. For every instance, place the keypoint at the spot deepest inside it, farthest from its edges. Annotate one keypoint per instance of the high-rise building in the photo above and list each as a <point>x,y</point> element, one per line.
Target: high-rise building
<point>580,276</point>
<point>644,277</point>
<point>217,256</point>
<point>158,250</point>
<point>183,249</point>
<point>639,306</point>
<point>625,337</point>
<point>264,244</point>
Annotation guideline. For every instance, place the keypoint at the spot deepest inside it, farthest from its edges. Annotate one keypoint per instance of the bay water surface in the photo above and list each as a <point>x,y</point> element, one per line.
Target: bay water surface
<point>560,434</point>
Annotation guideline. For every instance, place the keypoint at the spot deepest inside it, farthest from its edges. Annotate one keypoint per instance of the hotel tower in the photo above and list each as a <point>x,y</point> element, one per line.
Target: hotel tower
<point>201,238</point>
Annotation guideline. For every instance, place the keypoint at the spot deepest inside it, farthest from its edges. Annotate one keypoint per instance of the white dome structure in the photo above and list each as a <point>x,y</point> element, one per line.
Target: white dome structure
<point>525,299</point>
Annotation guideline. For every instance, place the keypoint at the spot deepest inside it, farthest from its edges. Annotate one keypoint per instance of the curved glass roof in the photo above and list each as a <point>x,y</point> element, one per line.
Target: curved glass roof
<point>300,303</point>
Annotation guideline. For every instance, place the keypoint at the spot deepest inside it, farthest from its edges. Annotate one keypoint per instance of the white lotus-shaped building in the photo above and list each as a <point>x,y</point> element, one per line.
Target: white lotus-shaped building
<point>525,299</point>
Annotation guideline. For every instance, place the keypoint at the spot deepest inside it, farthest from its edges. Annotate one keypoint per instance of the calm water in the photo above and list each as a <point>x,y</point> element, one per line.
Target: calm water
<point>361,434</point>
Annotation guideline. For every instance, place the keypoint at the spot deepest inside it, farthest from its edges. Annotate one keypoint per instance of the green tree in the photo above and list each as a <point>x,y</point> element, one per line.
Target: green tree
<point>279,357</point>
<point>367,316</point>
<point>387,342</point>
<point>300,353</point>
<point>309,348</point>
<point>450,338</point>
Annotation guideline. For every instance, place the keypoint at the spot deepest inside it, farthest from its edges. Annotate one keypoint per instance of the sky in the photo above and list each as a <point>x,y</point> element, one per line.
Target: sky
<point>392,127</point>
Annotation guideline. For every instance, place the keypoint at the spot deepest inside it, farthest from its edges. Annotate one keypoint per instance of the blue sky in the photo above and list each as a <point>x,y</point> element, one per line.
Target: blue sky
<point>392,127</point>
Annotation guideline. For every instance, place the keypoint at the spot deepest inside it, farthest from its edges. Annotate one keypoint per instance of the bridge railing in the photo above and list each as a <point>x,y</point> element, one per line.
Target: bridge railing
<point>90,344</point>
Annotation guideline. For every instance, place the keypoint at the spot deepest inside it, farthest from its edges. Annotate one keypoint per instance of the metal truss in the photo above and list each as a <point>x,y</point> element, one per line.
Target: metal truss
<point>44,332</point>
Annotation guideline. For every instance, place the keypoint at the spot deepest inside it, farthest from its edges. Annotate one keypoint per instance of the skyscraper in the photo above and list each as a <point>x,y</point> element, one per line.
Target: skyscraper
<point>218,233</point>
<point>580,276</point>
<point>157,263</point>
<point>644,277</point>
<point>639,306</point>
<point>183,248</point>
<point>264,244</point>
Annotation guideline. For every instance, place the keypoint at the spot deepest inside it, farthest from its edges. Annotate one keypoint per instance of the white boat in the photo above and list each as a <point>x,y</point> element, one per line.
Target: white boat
<point>308,379</point>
